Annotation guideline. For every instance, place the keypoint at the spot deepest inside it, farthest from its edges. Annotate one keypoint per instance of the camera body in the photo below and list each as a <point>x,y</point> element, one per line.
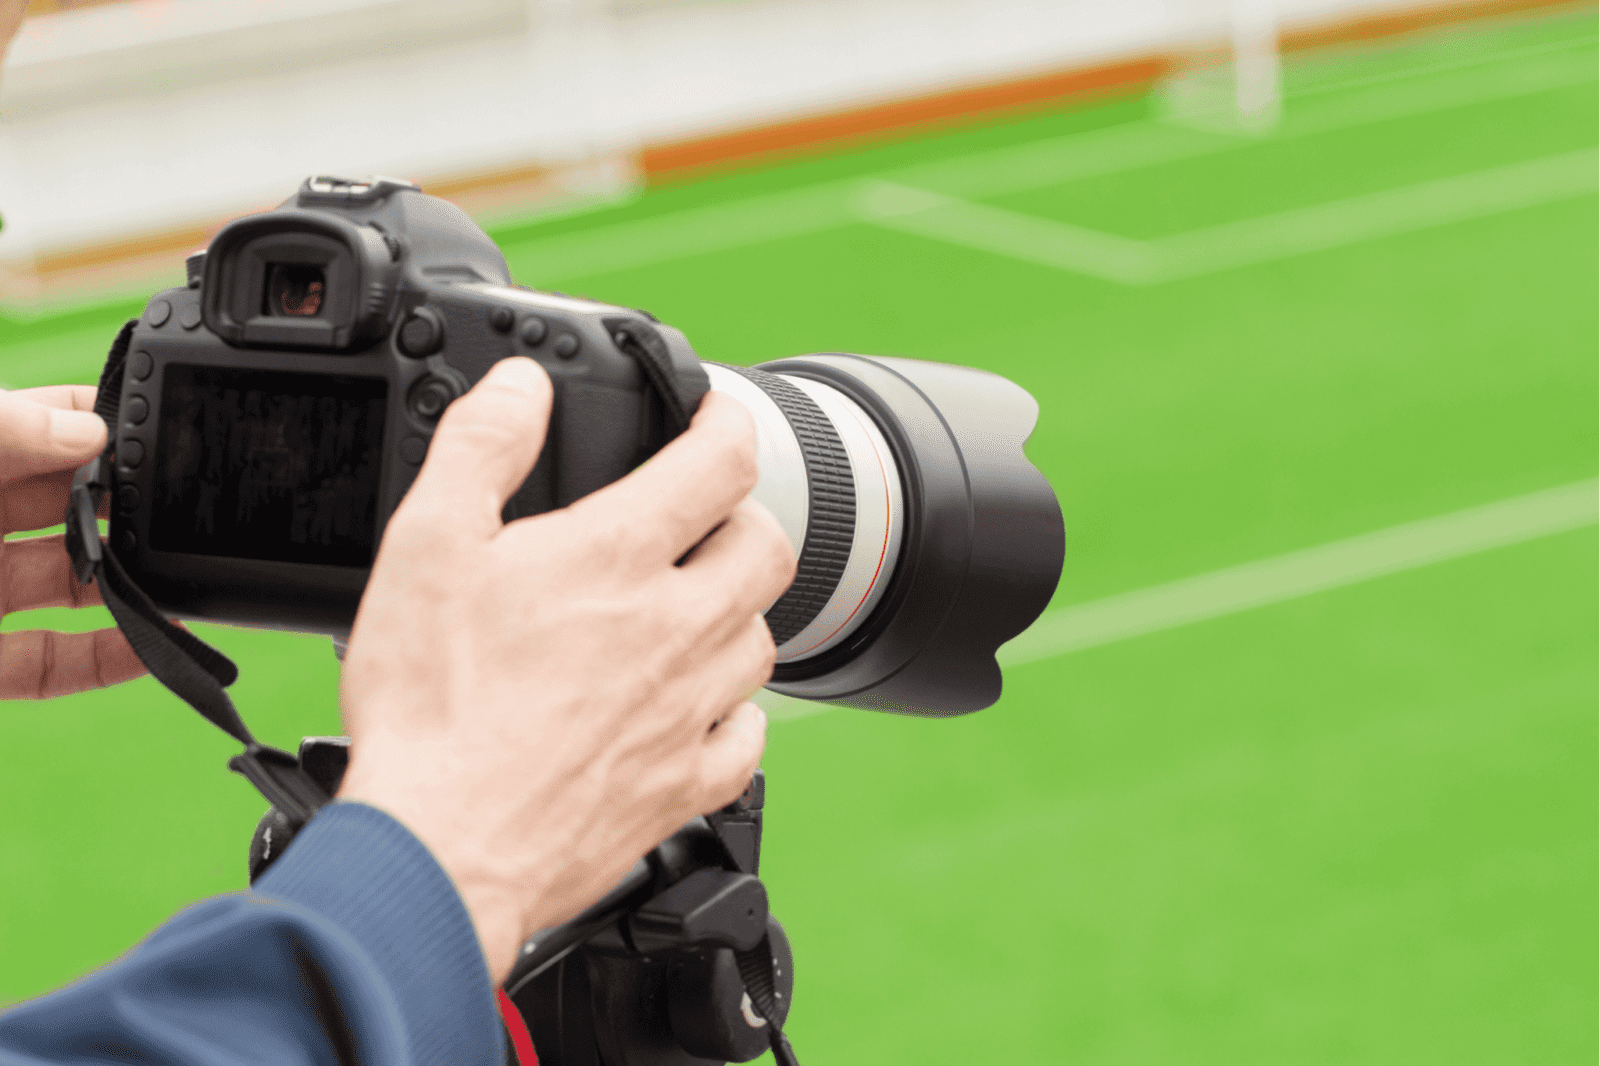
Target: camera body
<point>267,420</point>
<point>274,413</point>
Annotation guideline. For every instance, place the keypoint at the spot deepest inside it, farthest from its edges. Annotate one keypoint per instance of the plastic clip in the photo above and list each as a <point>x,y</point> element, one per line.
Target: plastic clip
<point>279,777</point>
<point>83,532</point>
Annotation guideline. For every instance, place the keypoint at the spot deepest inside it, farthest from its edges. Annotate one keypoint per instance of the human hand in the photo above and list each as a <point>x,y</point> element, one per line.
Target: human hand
<point>544,701</point>
<point>11,13</point>
<point>45,435</point>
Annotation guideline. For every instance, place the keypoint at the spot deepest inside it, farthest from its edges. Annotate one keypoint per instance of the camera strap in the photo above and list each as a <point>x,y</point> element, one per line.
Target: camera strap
<point>192,669</point>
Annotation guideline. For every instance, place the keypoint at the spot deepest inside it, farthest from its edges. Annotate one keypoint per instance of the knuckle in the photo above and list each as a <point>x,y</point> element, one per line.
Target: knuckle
<point>605,536</point>
<point>762,647</point>
<point>733,452</point>
<point>721,601</point>
<point>764,657</point>
<point>779,559</point>
<point>741,464</point>
<point>485,426</point>
<point>721,786</point>
<point>772,556</point>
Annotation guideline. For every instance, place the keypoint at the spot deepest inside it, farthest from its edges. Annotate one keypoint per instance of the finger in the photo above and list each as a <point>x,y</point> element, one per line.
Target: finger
<point>731,755</point>
<point>37,572</point>
<point>48,429</point>
<point>746,564</point>
<point>38,664</point>
<point>669,503</point>
<point>485,446</point>
<point>729,675</point>
<point>35,502</point>
<point>64,397</point>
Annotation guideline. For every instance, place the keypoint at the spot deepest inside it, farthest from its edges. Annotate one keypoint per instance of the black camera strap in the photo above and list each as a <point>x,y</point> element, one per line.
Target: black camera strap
<point>192,669</point>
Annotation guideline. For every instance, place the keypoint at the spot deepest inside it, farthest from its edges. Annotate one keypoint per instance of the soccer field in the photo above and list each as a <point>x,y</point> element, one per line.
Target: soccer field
<point>1299,768</point>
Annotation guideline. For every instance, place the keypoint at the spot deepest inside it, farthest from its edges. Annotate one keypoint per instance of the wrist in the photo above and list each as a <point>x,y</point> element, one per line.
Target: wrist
<point>490,901</point>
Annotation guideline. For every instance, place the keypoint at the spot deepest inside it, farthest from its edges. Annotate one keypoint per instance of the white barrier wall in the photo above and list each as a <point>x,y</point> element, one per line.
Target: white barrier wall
<point>148,115</point>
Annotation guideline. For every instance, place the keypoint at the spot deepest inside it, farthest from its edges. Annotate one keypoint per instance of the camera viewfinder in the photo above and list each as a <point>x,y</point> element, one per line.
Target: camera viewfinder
<point>294,289</point>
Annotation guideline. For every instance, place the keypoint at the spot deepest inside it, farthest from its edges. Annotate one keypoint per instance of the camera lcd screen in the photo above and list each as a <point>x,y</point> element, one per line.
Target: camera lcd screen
<point>257,464</point>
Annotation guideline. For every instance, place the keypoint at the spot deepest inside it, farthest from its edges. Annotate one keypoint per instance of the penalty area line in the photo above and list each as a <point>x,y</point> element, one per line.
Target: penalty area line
<point>1278,579</point>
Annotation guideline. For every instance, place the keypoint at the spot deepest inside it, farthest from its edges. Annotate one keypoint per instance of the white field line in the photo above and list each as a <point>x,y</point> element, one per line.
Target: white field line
<point>1062,246</point>
<point>1026,238</point>
<point>1284,577</point>
<point>1321,109</point>
<point>1376,215</point>
<point>719,227</point>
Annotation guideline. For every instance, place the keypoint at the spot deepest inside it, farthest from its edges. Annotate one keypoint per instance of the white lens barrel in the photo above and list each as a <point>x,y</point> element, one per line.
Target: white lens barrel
<point>830,478</point>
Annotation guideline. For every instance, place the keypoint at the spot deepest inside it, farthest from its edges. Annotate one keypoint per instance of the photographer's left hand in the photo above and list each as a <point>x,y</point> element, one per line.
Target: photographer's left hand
<point>45,435</point>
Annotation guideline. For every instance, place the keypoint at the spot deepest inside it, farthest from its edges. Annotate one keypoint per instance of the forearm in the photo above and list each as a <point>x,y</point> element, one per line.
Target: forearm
<point>353,948</point>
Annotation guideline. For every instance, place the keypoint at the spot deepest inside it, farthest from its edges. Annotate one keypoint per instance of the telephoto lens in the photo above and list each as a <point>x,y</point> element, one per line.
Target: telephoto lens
<point>341,325</point>
<point>924,537</point>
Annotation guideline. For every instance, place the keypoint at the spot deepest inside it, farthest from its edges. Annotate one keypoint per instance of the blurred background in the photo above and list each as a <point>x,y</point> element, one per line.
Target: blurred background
<point>1299,766</point>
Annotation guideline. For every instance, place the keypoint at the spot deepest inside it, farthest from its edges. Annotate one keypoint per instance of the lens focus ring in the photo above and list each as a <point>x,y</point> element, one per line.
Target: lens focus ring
<point>831,525</point>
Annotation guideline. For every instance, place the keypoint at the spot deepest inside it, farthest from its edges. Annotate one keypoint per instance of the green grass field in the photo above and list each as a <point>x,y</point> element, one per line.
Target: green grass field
<point>1357,826</point>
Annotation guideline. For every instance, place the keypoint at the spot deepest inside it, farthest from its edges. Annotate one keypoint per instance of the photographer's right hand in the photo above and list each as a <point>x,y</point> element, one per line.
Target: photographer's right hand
<point>542,702</point>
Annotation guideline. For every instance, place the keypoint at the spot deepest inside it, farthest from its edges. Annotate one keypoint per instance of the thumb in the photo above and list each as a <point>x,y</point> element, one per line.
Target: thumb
<point>36,437</point>
<point>486,443</point>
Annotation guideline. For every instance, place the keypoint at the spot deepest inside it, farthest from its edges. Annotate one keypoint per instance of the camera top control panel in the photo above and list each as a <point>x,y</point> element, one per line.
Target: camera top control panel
<point>274,413</point>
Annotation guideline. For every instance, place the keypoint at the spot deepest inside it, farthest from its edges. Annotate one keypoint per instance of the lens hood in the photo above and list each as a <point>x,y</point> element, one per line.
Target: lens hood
<point>982,546</point>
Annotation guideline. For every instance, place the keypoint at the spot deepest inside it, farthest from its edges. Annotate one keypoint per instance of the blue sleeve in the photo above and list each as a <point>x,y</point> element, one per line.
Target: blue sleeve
<point>353,948</point>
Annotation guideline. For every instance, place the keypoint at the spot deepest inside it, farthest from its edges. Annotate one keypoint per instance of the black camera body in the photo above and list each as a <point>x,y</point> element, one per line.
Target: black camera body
<point>267,420</point>
<point>274,413</point>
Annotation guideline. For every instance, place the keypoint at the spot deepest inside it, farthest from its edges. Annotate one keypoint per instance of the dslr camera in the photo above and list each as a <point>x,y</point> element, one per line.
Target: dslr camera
<point>268,418</point>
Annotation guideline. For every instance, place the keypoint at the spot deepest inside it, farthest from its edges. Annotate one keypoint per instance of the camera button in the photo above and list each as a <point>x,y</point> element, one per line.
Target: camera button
<point>430,397</point>
<point>533,331</point>
<point>502,319</point>
<point>160,311</point>
<point>566,346</point>
<point>130,453</point>
<point>128,497</point>
<point>137,411</point>
<point>413,450</point>
<point>140,365</point>
<point>422,333</point>
<point>189,317</point>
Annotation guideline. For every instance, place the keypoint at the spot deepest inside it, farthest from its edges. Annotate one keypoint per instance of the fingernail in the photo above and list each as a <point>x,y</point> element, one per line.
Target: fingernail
<point>520,373</point>
<point>77,431</point>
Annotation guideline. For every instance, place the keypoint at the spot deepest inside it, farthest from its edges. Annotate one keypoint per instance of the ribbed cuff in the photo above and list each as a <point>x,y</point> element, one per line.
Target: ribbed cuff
<point>365,872</point>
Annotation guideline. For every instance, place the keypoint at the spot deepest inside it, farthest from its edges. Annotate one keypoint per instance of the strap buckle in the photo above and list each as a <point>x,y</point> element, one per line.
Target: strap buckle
<point>89,487</point>
<point>279,777</point>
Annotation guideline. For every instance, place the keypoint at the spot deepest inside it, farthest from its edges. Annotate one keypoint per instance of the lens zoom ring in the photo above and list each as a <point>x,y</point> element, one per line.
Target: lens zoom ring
<point>831,525</point>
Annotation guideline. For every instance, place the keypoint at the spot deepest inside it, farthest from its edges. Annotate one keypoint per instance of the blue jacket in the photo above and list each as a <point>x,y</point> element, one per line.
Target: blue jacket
<point>353,948</point>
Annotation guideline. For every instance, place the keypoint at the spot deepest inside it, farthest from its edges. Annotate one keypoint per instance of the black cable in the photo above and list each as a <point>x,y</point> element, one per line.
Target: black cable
<point>756,968</point>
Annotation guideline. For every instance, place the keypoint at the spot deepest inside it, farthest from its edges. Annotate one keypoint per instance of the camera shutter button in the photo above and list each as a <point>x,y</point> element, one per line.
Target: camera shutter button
<point>422,333</point>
